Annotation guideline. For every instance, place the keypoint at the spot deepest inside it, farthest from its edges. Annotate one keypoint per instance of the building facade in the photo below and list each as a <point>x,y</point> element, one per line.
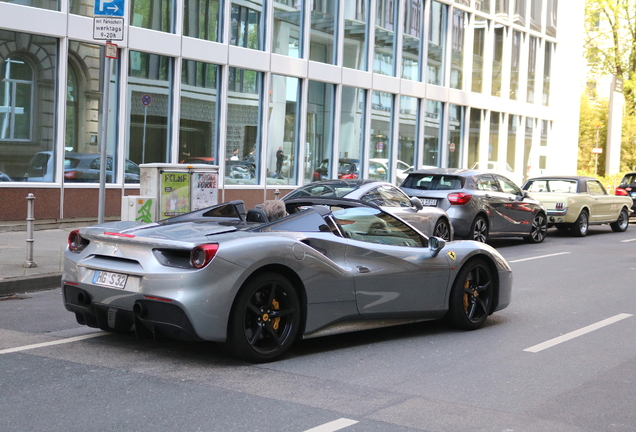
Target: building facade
<point>278,93</point>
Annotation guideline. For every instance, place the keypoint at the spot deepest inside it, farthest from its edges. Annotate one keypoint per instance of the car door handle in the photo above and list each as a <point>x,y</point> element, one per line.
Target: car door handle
<point>487,196</point>
<point>363,269</point>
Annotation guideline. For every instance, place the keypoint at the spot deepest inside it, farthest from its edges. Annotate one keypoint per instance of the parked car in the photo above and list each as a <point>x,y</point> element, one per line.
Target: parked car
<point>402,168</point>
<point>257,287</point>
<point>350,169</point>
<point>4,177</point>
<point>78,168</point>
<point>431,221</point>
<point>480,204</point>
<point>574,203</point>
<point>628,188</point>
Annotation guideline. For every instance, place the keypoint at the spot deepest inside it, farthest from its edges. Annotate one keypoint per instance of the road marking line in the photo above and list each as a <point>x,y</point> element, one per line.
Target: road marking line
<point>577,333</point>
<point>333,426</point>
<point>57,342</point>
<point>537,257</point>
<point>627,241</point>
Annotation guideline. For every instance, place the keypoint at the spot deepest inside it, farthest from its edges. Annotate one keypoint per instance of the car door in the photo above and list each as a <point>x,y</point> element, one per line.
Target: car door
<point>396,202</point>
<point>603,206</point>
<point>517,212</point>
<point>493,201</point>
<point>394,271</point>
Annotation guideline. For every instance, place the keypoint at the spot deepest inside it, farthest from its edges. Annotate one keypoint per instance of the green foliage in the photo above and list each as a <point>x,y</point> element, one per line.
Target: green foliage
<point>593,120</point>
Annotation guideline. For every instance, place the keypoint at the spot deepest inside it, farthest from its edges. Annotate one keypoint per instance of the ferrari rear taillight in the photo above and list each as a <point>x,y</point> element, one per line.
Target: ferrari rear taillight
<point>459,198</point>
<point>621,192</point>
<point>75,241</point>
<point>203,254</point>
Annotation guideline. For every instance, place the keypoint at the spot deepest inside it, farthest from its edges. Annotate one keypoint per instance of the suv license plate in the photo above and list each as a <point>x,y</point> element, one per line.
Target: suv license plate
<point>428,202</point>
<point>113,280</point>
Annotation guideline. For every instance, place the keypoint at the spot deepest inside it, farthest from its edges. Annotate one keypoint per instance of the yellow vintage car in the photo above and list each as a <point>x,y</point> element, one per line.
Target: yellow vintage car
<point>574,203</point>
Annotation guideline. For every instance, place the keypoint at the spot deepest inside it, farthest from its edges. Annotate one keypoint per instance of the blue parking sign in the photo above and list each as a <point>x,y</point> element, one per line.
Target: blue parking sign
<point>109,7</point>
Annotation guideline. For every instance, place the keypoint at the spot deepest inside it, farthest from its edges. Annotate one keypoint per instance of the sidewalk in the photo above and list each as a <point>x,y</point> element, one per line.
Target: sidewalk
<point>48,249</point>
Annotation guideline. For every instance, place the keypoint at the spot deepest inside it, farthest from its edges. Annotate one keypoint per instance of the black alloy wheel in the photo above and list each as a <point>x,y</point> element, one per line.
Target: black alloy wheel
<point>582,224</point>
<point>479,230</point>
<point>265,319</point>
<point>622,222</point>
<point>442,230</point>
<point>538,230</point>
<point>471,296</point>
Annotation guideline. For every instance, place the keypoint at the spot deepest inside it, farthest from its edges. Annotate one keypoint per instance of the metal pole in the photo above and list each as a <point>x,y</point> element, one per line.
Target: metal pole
<point>29,263</point>
<point>103,138</point>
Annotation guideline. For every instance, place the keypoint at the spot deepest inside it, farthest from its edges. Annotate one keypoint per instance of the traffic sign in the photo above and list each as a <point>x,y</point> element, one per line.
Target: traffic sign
<point>109,8</point>
<point>108,28</point>
<point>597,150</point>
<point>451,147</point>
<point>146,100</point>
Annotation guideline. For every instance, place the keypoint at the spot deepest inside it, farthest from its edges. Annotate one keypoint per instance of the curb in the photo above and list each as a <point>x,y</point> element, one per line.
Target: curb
<point>30,283</point>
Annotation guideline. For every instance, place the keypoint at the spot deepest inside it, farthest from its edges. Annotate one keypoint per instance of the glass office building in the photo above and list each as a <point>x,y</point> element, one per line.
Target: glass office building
<point>383,85</point>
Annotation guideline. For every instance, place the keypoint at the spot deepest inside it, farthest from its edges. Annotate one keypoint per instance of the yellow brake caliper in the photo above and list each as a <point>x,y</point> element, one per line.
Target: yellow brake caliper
<point>275,306</point>
<point>466,286</point>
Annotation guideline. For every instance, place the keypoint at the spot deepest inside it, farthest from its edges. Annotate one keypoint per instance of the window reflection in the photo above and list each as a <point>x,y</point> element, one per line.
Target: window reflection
<point>532,68</point>
<point>282,142</point>
<point>455,134</point>
<point>436,43</point>
<point>547,72</point>
<point>356,35</point>
<point>479,41</point>
<point>153,14</point>
<point>432,132</point>
<point>385,19</point>
<point>411,39</point>
<point>460,20</point>
<point>474,134</point>
<point>380,141</point>
<point>201,19</point>
<point>515,60</point>
<point>407,136</point>
<point>352,124</point>
<point>287,28</point>
<point>497,59</point>
<point>319,139</point>
<point>246,25</point>
<point>323,26</point>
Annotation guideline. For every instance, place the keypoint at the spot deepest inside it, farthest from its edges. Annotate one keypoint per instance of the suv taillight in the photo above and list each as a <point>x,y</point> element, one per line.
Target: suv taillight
<point>621,192</point>
<point>459,198</point>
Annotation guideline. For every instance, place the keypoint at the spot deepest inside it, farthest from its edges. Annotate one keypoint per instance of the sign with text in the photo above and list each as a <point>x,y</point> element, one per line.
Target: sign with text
<point>175,194</point>
<point>108,28</point>
<point>109,8</point>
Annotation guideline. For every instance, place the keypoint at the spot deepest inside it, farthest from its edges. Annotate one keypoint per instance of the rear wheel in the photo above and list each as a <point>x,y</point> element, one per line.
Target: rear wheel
<point>622,222</point>
<point>479,230</point>
<point>582,224</point>
<point>265,319</point>
<point>538,230</point>
<point>442,229</point>
<point>471,296</point>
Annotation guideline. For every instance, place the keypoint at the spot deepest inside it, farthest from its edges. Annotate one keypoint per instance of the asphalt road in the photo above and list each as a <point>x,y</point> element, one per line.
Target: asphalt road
<point>562,357</point>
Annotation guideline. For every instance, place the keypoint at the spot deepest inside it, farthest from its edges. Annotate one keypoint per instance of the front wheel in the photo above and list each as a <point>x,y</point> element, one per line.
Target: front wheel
<point>622,222</point>
<point>479,230</point>
<point>582,224</point>
<point>471,296</point>
<point>442,230</point>
<point>265,319</point>
<point>538,230</point>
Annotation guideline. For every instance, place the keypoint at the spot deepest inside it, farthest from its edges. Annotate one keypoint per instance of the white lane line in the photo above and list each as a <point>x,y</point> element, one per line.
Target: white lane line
<point>627,241</point>
<point>537,257</point>
<point>333,426</point>
<point>577,333</point>
<point>57,342</point>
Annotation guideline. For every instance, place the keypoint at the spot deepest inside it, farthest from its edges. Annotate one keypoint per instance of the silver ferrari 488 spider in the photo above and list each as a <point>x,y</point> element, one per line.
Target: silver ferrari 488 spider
<point>255,282</point>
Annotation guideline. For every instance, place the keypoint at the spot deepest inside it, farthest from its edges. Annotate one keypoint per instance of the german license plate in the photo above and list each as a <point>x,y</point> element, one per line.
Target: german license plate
<point>429,202</point>
<point>109,279</point>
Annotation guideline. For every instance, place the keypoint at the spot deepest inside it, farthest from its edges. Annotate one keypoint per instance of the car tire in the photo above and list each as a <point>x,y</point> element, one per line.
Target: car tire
<point>538,230</point>
<point>264,320</point>
<point>479,230</point>
<point>442,230</point>
<point>622,222</point>
<point>581,226</point>
<point>471,296</point>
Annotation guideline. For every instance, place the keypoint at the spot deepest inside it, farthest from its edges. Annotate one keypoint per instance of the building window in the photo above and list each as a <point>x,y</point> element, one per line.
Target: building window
<point>515,60</point>
<point>474,135</point>
<point>247,25</point>
<point>535,14</point>
<point>199,112</point>
<point>16,99</point>
<point>201,19</point>
<point>513,127</point>
<point>319,135</point>
<point>519,12</point>
<point>150,101</point>
<point>284,107</point>
<point>432,133</point>
<point>153,14</point>
<point>479,42</point>
<point>532,68</point>
<point>288,18</point>
<point>352,123</point>
<point>455,135</point>
<point>243,134</point>
<point>407,136</point>
<point>460,20</point>
<point>551,18</point>
<point>436,43</point>
<point>411,39</point>
<point>547,72</point>
<point>385,20</point>
<point>493,143</point>
<point>356,35</point>
<point>324,16</point>
<point>381,141</point>
<point>497,59</point>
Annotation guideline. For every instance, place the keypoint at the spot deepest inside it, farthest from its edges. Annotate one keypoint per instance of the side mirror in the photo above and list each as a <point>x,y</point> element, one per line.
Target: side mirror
<point>436,244</point>
<point>524,195</point>
<point>417,203</point>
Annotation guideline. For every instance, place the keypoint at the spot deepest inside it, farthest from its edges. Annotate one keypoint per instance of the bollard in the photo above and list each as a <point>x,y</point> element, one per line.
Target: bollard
<point>276,194</point>
<point>29,263</point>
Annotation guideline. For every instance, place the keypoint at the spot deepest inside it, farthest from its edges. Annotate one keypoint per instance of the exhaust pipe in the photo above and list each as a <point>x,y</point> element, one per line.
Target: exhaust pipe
<point>83,299</point>
<point>140,310</point>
